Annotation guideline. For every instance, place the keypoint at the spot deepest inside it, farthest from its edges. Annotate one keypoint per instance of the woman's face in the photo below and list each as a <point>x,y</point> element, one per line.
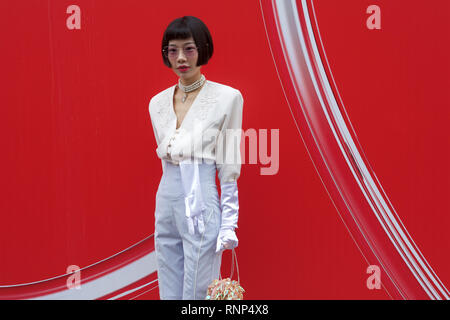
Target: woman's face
<point>183,56</point>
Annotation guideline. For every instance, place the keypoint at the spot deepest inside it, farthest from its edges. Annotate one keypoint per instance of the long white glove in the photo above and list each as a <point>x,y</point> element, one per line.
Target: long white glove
<point>229,203</point>
<point>193,196</point>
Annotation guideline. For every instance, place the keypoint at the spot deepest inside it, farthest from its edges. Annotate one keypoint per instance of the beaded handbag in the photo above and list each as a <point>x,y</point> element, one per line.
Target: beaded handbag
<point>226,289</point>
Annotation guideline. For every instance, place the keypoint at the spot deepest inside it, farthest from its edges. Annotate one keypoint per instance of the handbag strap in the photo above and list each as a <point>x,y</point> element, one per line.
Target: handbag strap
<point>234,257</point>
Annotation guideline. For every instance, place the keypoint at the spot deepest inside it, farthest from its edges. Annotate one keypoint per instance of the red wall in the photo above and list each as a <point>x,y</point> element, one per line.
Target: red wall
<point>80,172</point>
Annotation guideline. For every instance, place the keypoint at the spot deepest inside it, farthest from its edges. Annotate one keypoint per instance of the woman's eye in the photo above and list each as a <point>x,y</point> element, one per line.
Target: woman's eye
<point>172,50</point>
<point>189,49</point>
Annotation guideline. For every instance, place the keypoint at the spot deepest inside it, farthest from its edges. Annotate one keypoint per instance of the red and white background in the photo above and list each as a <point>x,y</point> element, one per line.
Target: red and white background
<point>344,190</point>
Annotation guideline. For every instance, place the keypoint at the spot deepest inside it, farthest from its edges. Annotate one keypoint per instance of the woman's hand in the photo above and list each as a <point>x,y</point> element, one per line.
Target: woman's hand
<point>227,239</point>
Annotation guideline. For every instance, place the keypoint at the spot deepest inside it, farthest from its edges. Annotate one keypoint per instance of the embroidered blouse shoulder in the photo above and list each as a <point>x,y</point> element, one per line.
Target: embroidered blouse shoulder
<point>210,131</point>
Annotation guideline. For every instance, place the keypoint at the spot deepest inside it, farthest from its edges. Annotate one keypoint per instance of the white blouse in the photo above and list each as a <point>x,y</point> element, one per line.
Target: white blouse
<point>211,129</point>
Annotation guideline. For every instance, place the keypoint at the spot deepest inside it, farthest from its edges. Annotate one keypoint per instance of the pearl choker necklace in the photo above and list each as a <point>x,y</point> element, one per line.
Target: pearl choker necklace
<point>197,84</point>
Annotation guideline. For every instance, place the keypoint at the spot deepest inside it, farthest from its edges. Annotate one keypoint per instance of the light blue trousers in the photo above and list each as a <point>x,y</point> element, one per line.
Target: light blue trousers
<point>187,263</point>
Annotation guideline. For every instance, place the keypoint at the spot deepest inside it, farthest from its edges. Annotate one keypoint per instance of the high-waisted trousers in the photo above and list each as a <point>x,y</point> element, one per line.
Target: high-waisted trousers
<point>186,263</point>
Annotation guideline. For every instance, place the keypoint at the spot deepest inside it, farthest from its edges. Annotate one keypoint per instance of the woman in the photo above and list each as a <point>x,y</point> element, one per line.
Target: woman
<point>197,125</point>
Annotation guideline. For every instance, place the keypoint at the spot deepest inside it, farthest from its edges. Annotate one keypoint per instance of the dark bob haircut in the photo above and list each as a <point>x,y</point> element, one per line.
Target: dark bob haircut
<point>184,28</point>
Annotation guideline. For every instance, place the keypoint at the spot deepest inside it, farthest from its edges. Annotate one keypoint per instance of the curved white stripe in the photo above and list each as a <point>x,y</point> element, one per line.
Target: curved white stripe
<point>349,141</point>
<point>144,292</point>
<point>81,269</point>
<point>435,279</point>
<point>111,282</point>
<point>307,150</point>
<point>367,176</point>
<point>284,25</point>
<point>133,290</point>
<point>379,201</point>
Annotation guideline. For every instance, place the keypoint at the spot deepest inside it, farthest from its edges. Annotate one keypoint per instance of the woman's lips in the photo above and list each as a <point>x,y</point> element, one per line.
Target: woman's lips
<point>183,69</point>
